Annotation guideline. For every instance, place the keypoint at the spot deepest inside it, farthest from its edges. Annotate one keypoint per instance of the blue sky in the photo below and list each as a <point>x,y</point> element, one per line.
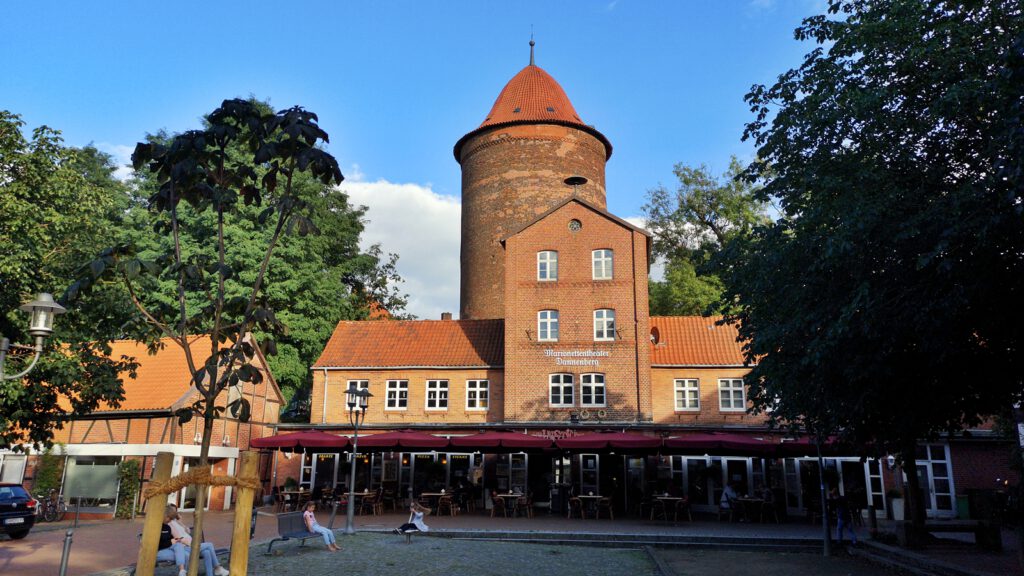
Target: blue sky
<point>397,83</point>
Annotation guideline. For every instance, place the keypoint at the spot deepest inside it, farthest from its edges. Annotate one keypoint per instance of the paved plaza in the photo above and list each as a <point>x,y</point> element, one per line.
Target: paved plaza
<point>476,544</point>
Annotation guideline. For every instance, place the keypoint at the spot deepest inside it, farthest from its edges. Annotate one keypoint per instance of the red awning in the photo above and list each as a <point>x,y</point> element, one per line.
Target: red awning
<point>609,440</point>
<point>402,439</point>
<point>721,443</point>
<point>300,440</point>
<point>496,439</point>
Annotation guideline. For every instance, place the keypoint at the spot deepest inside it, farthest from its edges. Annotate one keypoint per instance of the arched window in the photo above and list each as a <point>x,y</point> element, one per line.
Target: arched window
<point>603,264</point>
<point>547,265</point>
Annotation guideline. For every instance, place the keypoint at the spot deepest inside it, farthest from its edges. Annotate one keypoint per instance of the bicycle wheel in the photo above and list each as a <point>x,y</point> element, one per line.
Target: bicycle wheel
<point>50,513</point>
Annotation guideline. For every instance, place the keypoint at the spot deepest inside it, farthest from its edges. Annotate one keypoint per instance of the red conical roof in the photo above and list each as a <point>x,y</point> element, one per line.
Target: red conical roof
<point>533,97</point>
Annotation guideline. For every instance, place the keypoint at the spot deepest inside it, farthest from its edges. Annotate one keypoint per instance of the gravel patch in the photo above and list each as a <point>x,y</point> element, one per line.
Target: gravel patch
<point>372,554</point>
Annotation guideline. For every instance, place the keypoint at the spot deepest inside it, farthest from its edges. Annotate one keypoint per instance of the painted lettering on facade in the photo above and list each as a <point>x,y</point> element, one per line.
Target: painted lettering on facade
<point>577,357</point>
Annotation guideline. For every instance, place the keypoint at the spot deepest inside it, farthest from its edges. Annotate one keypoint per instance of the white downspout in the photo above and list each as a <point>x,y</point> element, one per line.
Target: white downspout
<point>323,413</point>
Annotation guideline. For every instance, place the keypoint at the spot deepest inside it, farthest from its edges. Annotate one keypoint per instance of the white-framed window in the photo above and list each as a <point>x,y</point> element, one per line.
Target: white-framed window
<point>398,395</point>
<point>547,265</point>
<point>604,324</point>
<point>687,394</point>
<point>477,394</point>
<point>592,390</point>
<point>560,386</point>
<point>730,395</point>
<point>360,384</point>
<point>547,325</point>
<point>437,395</point>
<point>603,264</point>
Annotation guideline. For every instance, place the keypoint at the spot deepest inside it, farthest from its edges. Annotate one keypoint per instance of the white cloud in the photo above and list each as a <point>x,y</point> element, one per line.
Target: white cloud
<point>122,157</point>
<point>657,272</point>
<point>423,228</point>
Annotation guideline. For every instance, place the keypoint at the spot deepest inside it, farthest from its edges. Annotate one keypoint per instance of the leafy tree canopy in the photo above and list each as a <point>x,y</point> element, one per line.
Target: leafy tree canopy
<point>56,204</point>
<point>691,225</point>
<point>884,304</point>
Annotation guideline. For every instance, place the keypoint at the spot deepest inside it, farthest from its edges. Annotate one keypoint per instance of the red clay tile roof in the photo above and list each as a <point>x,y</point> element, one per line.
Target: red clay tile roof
<point>162,380</point>
<point>356,344</point>
<point>533,97</point>
<point>693,341</point>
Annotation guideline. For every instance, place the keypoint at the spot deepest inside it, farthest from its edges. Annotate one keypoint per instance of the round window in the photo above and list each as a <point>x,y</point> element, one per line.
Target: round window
<point>575,225</point>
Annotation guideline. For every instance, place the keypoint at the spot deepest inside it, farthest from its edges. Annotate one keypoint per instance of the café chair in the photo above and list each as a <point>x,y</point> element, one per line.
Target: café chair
<point>604,505</point>
<point>524,506</point>
<point>576,505</point>
<point>446,504</point>
<point>658,510</point>
<point>683,507</point>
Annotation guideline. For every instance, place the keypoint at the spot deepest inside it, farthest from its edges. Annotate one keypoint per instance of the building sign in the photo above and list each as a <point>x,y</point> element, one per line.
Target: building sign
<point>555,434</point>
<point>577,357</point>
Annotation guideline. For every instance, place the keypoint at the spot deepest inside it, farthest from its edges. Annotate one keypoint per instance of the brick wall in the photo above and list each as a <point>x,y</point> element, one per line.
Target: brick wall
<point>710,412</point>
<point>976,465</point>
<point>416,411</point>
<point>625,361</point>
<point>510,176</point>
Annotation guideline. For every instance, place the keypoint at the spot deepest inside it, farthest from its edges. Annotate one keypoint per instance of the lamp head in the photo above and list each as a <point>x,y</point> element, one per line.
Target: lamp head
<point>41,311</point>
<point>357,397</point>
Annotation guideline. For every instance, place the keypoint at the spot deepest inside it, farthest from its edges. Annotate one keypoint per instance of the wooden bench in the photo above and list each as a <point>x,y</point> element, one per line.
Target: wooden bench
<point>290,525</point>
<point>986,533</point>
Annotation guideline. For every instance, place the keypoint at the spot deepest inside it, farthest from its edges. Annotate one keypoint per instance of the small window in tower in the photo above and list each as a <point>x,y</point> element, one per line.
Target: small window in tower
<point>550,109</point>
<point>516,111</point>
<point>575,225</point>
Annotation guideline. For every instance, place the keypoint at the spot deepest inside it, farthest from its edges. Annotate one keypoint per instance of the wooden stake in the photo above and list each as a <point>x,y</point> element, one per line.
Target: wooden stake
<point>248,462</point>
<point>155,508</point>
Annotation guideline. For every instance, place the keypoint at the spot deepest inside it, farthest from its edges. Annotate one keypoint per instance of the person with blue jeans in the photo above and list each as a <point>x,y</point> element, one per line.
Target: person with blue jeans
<point>170,548</point>
<point>206,549</point>
<point>310,519</point>
<point>843,517</point>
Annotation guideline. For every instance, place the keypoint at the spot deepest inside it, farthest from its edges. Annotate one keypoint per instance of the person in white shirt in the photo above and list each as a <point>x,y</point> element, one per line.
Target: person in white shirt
<point>728,497</point>
<point>206,550</point>
<point>415,522</point>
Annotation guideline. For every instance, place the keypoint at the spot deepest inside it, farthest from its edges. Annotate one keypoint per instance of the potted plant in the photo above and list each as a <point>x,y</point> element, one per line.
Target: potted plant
<point>895,498</point>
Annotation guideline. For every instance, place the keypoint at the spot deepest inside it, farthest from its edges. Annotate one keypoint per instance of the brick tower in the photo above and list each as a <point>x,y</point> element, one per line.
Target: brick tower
<point>513,169</point>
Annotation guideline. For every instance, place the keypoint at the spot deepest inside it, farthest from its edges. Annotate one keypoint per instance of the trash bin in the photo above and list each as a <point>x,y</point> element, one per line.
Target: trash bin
<point>963,508</point>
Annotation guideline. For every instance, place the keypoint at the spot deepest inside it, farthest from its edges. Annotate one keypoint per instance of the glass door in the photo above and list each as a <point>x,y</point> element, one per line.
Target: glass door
<point>589,474</point>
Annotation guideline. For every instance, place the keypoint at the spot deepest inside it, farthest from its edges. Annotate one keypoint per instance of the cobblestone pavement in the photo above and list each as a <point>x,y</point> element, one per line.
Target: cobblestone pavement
<point>370,554</point>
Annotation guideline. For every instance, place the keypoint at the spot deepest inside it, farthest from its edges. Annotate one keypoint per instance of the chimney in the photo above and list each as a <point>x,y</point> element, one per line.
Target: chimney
<point>446,315</point>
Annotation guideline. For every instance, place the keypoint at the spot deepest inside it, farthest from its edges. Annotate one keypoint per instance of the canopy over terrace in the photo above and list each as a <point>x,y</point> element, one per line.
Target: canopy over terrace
<point>600,441</point>
<point>401,440</point>
<point>500,442</point>
<point>298,441</point>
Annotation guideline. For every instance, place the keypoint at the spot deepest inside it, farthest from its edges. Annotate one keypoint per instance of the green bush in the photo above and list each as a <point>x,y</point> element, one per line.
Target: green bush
<point>50,471</point>
<point>128,487</point>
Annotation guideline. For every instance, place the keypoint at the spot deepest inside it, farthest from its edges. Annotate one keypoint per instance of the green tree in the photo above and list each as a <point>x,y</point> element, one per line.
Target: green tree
<point>56,204</point>
<point>883,306</point>
<point>244,156</point>
<point>691,225</point>
<point>312,281</point>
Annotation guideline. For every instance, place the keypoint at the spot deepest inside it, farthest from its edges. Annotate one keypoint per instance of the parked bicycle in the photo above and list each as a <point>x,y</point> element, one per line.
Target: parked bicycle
<point>51,508</point>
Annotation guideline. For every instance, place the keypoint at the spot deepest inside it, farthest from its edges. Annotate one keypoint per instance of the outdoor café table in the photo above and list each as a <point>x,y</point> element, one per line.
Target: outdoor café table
<point>432,498</point>
<point>590,501</point>
<point>750,508</point>
<point>296,498</point>
<point>509,501</point>
<point>669,503</point>
<point>356,496</point>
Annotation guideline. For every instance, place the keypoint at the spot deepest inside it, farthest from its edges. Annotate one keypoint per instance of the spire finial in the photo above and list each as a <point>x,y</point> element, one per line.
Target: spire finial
<point>532,44</point>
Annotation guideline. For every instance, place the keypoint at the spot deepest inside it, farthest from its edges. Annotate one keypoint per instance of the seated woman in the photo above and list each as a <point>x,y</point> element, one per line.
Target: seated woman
<point>170,549</point>
<point>206,550</point>
<point>415,522</point>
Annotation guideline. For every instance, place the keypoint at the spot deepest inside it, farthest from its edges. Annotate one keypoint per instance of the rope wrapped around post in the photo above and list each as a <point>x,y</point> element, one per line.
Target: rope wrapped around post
<point>200,476</point>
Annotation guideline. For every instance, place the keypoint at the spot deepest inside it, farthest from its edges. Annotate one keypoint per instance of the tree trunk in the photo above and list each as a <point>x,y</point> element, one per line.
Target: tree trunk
<point>197,527</point>
<point>913,486</point>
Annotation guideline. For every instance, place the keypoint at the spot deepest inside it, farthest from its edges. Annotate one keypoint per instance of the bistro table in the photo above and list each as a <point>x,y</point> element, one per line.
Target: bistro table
<point>666,503</point>
<point>294,498</point>
<point>432,498</point>
<point>508,500</point>
<point>590,502</point>
<point>750,508</point>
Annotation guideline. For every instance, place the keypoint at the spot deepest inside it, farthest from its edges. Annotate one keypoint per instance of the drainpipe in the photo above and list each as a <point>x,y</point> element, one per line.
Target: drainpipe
<point>636,327</point>
<point>323,413</point>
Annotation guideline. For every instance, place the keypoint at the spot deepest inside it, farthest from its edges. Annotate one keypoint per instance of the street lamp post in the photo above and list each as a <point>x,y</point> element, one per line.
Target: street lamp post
<point>357,399</point>
<point>41,312</point>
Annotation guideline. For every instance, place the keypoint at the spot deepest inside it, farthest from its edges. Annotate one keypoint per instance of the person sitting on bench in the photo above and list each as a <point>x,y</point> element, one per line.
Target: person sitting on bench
<point>310,519</point>
<point>170,548</point>
<point>206,550</point>
<point>415,523</point>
